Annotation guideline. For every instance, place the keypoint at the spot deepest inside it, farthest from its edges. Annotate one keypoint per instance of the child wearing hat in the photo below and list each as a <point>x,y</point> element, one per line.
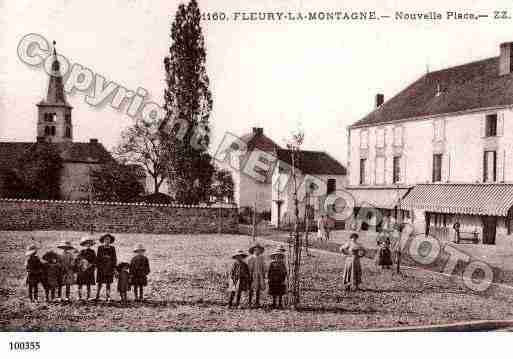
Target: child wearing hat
<point>277,276</point>
<point>67,267</point>
<point>52,274</point>
<point>139,270</point>
<point>256,265</point>
<point>240,279</point>
<point>106,262</point>
<point>85,267</point>
<point>34,269</point>
<point>123,280</point>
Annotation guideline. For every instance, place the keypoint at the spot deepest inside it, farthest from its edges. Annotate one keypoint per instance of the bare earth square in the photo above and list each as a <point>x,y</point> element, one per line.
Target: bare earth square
<point>186,292</point>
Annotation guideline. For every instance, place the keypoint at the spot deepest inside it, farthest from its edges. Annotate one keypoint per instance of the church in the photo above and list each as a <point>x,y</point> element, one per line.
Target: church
<point>55,128</point>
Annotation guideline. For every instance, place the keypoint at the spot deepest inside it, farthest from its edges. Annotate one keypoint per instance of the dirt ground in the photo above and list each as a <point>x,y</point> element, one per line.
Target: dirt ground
<point>186,292</point>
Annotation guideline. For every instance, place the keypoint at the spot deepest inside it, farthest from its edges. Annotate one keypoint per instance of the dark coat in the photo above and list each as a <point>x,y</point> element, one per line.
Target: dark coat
<point>53,273</point>
<point>276,275</point>
<point>240,275</point>
<point>123,281</point>
<point>35,270</point>
<point>106,262</point>
<point>85,270</point>
<point>139,269</point>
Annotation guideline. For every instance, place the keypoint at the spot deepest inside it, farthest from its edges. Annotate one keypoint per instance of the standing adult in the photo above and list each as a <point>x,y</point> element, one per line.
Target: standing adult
<point>67,268</point>
<point>106,262</point>
<point>321,227</point>
<point>85,267</point>
<point>352,268</point>
<point>256,265</point>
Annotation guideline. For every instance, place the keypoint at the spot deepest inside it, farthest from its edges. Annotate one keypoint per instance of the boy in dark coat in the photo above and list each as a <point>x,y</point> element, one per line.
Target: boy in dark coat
<point>123,281</point>
<point>86,262</point>
<point>106,262</point>
<point>277,276</point>
<point>139,269</point>
<point>34,271</point>
<point>53,273</point>
<point>240,279</point>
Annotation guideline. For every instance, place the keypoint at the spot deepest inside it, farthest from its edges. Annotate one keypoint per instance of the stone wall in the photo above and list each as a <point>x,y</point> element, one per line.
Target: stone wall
<point>28,215</point>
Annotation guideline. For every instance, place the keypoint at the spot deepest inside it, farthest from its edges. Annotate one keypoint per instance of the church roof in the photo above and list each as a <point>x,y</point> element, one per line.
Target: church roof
<point>313,162</point>
<point>86,152</point>
<point>460,88</point>
<point>55,94</point>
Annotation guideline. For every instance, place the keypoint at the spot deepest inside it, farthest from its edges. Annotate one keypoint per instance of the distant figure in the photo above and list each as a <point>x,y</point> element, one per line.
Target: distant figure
<point>34,269</point>
<point>239,278</point>
<point>256,266</point>
<point>53,274</point>
<point>277,277</point>
<point>123,281</point>
<point>321,228</point>
<point>85,267</point>
<point>352,268</point>
<point>139,270</point>
<point>456,227</point>
<point>384,259</point>
<point>106,262</point>
<point>67,267</point>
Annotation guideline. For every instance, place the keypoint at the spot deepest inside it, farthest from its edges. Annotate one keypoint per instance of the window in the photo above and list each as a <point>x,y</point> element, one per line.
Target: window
<point>364,139</point>
<point>398,136</point>
<point>438,130</point>
<point>437,168</point>
<point>380,137</point>
<point>396,175</point>
<point>380,170</point>
<point>52,130</point>
<point>67,118</point>
<point>331,186</point>
<point>491,125</point>
<point>490,166</point>
<point>68,132</point>
<point>363,162</point>
<point>47,131</point>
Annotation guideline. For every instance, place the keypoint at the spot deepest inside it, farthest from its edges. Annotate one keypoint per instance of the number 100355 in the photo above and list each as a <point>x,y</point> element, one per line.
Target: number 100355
<point>24,346</point>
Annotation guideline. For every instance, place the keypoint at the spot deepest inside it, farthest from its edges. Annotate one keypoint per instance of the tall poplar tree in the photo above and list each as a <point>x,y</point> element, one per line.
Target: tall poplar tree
<point>188,104</point>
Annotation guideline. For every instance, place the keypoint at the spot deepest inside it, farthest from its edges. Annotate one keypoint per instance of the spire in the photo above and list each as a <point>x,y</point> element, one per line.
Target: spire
<point>55,94</point>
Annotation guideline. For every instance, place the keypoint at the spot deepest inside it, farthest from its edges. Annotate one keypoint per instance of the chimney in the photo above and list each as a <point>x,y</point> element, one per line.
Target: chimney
<point>93,140</point>
<point>506,58</point>
<point>258,131</point>
<point>380,98</point>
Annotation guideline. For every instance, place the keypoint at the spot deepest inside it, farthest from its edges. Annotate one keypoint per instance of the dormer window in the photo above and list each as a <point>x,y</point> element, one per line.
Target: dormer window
<point>49,117</point>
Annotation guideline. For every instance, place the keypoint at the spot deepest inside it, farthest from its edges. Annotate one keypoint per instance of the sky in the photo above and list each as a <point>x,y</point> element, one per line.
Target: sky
<point>319,76</point>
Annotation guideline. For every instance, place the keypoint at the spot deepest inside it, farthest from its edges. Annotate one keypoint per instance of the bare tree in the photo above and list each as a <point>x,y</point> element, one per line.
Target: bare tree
<point>141,144</point>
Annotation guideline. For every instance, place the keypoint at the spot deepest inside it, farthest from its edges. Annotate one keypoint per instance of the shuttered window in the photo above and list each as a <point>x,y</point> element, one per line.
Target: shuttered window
<point>490,166</point>
<point>396,176</point>
<point>363,162</point>
<point>437,168</point>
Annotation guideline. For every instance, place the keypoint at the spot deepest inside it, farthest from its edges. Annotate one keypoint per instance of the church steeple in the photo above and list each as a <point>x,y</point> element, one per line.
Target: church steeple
<point>54,112</point>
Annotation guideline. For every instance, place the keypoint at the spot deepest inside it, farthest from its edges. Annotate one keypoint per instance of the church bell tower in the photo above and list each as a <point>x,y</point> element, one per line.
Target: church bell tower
<point>54,112</point>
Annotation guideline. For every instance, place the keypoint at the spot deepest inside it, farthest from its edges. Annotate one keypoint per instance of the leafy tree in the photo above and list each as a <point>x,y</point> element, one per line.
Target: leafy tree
<point>222,186</point>
<point>113,182</point>
<point>37,174</point>
<point>188,104</point>
<point>142,144</point>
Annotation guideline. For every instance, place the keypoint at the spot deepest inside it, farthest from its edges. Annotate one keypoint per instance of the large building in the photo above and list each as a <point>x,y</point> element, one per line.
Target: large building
<point>55,129</point>
<point>442,150</point>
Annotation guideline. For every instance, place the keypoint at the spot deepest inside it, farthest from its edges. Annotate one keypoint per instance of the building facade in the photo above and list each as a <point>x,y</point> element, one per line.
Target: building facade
<point>445,135</point>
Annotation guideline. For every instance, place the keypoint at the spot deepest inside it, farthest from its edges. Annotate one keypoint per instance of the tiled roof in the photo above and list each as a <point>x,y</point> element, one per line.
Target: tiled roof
<point>466,87</point>
<point>11,152</point>
<point>470,198</point>
<point>259,141</point>
<point>313,162</point>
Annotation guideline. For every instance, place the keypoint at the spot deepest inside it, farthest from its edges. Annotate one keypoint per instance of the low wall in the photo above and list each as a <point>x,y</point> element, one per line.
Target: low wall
<point>28,215</point>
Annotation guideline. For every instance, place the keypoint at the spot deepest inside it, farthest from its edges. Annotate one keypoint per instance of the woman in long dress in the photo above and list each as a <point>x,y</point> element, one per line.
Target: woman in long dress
<point>352,268</point>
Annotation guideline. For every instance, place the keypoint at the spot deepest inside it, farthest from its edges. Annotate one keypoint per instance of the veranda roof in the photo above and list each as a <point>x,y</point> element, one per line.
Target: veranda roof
<point>377,197</point>
<point>492,199</point>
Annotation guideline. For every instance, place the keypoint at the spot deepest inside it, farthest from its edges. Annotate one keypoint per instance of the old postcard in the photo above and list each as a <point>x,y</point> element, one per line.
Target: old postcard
<point>254,166</point>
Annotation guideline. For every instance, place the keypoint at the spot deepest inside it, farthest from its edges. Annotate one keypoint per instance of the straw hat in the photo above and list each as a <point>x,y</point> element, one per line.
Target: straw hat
<point>32,249</point>
<point>87,240</point>
<point>281,248</point>
<point>140,248</point>
<point>255,246</point>
<point>240,253</point>
<point>277,253</point>
<point>66,245</point>
<point>48,256</point>
<point>108,236</point>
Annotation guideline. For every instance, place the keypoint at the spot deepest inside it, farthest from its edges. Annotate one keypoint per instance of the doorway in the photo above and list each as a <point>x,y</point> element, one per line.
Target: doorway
<point>489,229</point>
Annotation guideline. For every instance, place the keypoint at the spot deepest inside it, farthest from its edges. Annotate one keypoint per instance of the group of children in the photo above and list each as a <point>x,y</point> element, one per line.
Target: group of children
<point>57,271</point>
<point>249,275</point>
